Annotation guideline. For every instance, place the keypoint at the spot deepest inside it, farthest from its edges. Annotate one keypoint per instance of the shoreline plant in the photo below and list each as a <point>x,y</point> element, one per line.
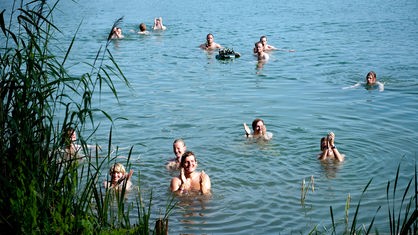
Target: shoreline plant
<point>42,191</point>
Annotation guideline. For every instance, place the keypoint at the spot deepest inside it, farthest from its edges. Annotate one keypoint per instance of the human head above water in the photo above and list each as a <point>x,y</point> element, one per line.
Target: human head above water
<point>209,38</point>
<point>142,27</point>
<point>69,136</point>
<point>179,147</point>
<point>117,167</point>
<point>186,155</point>
<point>263,39</point>
<point>258,126</point>
<point>371,78</point>
<point>259,46</point>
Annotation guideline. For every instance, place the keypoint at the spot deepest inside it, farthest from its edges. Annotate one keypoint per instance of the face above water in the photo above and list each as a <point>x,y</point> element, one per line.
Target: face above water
<point>190,164</point>
<point>209,39</point>
<point>370,79</point>
<point>179,149</point>
<point>259,127</point>
<point>116,176</point>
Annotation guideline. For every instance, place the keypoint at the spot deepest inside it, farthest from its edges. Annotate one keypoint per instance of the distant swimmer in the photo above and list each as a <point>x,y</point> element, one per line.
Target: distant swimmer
<point>267,47</point>
<point>370,83</point>
<point>259,130</point>
<point>143,29</point>
<point>158,24</point>
<point>329,150</point>
<point>210,43</point>
<point>116,33</point>
<point>190,180</point>
<point>261,55</point>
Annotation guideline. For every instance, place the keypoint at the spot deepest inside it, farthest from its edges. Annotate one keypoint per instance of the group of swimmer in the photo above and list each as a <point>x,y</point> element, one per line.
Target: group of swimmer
<point>189,180</point>
<point>158,25</point>
<point>261,48</point>
<point>185,162</point>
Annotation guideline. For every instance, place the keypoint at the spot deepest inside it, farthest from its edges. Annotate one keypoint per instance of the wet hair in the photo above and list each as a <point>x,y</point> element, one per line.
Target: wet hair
<point>185,155</point>
<point>371,73</point>
<point>320,143</point>
<point>179,141</point>
<point>261,38</point>
<point>117,167</point>
<point>142,27</point>
<point>254,124</point>
<point>256,45</point>
<point>66,136</point>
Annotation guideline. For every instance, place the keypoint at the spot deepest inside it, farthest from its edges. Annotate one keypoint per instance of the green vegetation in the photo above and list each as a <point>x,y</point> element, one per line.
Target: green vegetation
<point>43,190</point>
<point>402,212</point>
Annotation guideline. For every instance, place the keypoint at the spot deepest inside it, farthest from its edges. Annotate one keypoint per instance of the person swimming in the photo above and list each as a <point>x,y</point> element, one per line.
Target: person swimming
<point>190,180</point>
<point>179,148</point>
<point>370,83</point>
<point>259,130</point>
<point>329,150</point>
<point>119,179</point>
<point>210,43</point>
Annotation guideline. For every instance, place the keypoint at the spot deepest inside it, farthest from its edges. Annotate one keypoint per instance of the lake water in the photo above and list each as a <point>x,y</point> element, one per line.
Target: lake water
<point>178,90</point>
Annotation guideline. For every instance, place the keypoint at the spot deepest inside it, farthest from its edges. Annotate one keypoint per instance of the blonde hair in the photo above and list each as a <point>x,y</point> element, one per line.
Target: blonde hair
<point>117,167</point>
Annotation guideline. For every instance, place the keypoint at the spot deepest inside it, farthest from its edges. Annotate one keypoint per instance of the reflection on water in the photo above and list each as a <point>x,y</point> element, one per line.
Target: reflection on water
<point>193,207</point>
<point>331,167</point>
<point>178,90</point>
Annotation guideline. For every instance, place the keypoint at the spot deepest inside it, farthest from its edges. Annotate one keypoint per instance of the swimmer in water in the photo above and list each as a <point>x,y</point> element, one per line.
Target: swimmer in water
<point>179,148</point>
<point>189,179</point>
<point>259,130</point>
<point>158,24</point>
<point>119,178</point>
<point>370,83</point>
<point>329,150</point>
<point>210,43</point>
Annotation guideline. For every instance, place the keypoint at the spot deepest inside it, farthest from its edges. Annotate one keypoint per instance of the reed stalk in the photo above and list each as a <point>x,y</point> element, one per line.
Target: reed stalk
<point>44,192</point>
<point>305,189</point>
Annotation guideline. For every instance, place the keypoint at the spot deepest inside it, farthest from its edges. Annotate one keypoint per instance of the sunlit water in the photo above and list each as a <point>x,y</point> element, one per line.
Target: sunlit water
<point>180,91</point>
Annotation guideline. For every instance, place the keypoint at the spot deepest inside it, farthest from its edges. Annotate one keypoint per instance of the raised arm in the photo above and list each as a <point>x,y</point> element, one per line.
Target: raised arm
<point>324,154</point>
<point>247,130</point>
<point>337,154</point>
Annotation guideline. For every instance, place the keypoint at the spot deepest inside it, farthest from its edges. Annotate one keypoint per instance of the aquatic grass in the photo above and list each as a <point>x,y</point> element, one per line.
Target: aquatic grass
<point>408,224</point>
<point>305,188</point>
<point>44,192</point>
<point>402,217</point>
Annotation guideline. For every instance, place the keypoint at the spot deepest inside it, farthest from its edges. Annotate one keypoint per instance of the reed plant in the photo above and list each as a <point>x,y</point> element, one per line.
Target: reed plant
<point>43,191</point>
<point>305,188</point>
<point>402,212</point>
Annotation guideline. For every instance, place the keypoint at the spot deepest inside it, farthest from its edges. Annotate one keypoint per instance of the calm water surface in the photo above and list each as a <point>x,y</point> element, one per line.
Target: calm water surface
<point>177,90</point>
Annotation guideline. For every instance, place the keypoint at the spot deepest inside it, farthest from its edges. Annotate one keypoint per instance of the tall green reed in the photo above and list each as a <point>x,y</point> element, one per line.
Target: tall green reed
<point>402,212</point>
<point>42,191</point>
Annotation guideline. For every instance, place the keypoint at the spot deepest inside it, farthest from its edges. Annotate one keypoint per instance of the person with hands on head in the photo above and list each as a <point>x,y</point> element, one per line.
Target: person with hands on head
<point>189,179</point>
<point>259,130</point>
<point>329,150</point>
<point>158,24</point>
